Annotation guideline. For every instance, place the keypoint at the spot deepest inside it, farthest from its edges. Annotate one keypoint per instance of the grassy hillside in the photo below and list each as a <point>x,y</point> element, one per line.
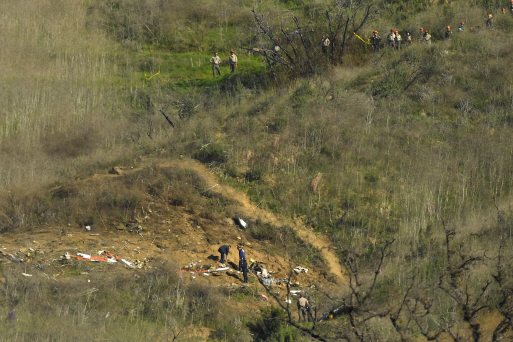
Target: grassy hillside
<point>411,144</point>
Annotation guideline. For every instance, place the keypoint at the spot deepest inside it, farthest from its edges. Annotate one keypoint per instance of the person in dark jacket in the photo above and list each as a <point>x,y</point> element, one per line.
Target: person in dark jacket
<point>224,250</point>
<point>448,33</point>
<point>243,263</point>
<point>376,40</point>
<point>11,317</point>
<point>408,37</point>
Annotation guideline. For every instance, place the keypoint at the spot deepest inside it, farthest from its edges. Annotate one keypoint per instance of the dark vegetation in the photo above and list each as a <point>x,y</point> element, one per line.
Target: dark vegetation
<point>414,147</point>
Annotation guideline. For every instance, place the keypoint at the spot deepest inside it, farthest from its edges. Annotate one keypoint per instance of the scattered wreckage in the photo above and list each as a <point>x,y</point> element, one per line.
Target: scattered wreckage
<point>196,267</point>
<point>333,313</point>
<point>105,256</point>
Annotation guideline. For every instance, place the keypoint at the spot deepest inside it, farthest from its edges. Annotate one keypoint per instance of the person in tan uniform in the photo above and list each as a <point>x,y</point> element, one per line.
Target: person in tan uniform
<point>216,60</point>
<point>391,39</point>
<point>325,44</point>
<point>233,61</point>
<point>398,39</point>
<point>427,37</point>
<point>302,305</point>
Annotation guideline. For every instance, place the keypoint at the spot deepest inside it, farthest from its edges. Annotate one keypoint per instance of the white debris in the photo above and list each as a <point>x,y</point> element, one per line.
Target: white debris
<point>128,263</point>
<point>300,269</point>
<point>241,222</point>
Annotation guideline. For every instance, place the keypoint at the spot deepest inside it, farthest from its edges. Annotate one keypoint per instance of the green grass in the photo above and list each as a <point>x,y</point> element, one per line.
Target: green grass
<point>183,71</point>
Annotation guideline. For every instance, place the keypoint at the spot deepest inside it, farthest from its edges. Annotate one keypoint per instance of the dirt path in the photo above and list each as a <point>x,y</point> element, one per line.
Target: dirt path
<point>251,211</point>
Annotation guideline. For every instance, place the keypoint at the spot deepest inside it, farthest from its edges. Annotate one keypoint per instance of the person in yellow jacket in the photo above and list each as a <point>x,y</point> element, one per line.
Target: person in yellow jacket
<point>233,61</point>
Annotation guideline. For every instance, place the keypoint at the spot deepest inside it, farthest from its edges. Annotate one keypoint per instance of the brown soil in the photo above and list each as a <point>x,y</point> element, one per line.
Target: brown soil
<point>173,235</point>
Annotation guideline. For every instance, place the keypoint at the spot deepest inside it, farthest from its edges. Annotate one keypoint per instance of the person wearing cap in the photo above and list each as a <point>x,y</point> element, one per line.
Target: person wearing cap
<point>375,41</point>
<point>462,25</point>
<point>224,250</point>
<point>233,61</point>
<point>408,37</point>
<point>448,33</point>
<point>427,37</point>
<point>489,21</point>
<point>243,263</point>
<point>216,60</point>
<point>302,304</point>
<point>511,7</point>
<point>421,34</point>
<point>325,44</point>
<point>398,39</point>
<point>391,39</point>
<point>276,46</point>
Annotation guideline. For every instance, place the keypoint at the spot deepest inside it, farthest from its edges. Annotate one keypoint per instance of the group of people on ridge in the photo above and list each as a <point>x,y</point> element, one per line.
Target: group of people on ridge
<point>394,38</point>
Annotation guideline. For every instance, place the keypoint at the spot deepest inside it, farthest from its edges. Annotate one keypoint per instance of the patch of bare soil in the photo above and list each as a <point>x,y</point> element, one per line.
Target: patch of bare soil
<point>253,212</point>
<point>170,235</point>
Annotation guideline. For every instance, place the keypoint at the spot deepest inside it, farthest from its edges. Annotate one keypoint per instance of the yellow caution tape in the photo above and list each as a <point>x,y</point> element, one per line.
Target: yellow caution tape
<point>149,78</point>
<point>362,39</point>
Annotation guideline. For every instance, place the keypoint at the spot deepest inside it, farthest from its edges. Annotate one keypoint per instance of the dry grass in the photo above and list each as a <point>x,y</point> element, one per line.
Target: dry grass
<point>397,160</point>
<point>57,103</point>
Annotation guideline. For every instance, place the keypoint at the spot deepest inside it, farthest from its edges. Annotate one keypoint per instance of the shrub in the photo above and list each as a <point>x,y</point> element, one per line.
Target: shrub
<point>211,153</point>
<point>270,327</point>
<point>254,174</point>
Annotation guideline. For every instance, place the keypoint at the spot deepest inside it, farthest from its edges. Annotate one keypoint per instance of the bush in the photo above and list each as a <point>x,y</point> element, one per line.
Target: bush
<point>271,328</point>
<point>210,154</point>
<point>254,174</point>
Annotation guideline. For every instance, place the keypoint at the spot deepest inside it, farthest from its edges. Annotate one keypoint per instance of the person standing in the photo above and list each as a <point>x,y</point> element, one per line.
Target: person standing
<point>375,41</point>
<point>325,44</point>
<point>216,60</point>
<point>302,304</point>
<point>511,7</point>
<point>244,266</point>
<point>243,263</point>
<point>427,37</point>
<point>309,310</point>
<point>233,61</point>
<point>421,34</point>
<point>242,255</point>
<point>448,33</point>
<point>276,46</point>
<point>391,39</point>
<point>408,38</point>
<point>11,317</point>
<point>398,39</point>
<point>489,21</point>
<point>224,250</point>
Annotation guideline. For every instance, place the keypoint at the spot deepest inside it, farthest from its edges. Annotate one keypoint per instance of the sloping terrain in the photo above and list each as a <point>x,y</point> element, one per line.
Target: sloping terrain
<point>164,234</point>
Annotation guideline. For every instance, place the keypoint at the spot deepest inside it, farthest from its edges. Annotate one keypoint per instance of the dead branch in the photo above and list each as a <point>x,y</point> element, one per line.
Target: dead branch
<point>167,118</point>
